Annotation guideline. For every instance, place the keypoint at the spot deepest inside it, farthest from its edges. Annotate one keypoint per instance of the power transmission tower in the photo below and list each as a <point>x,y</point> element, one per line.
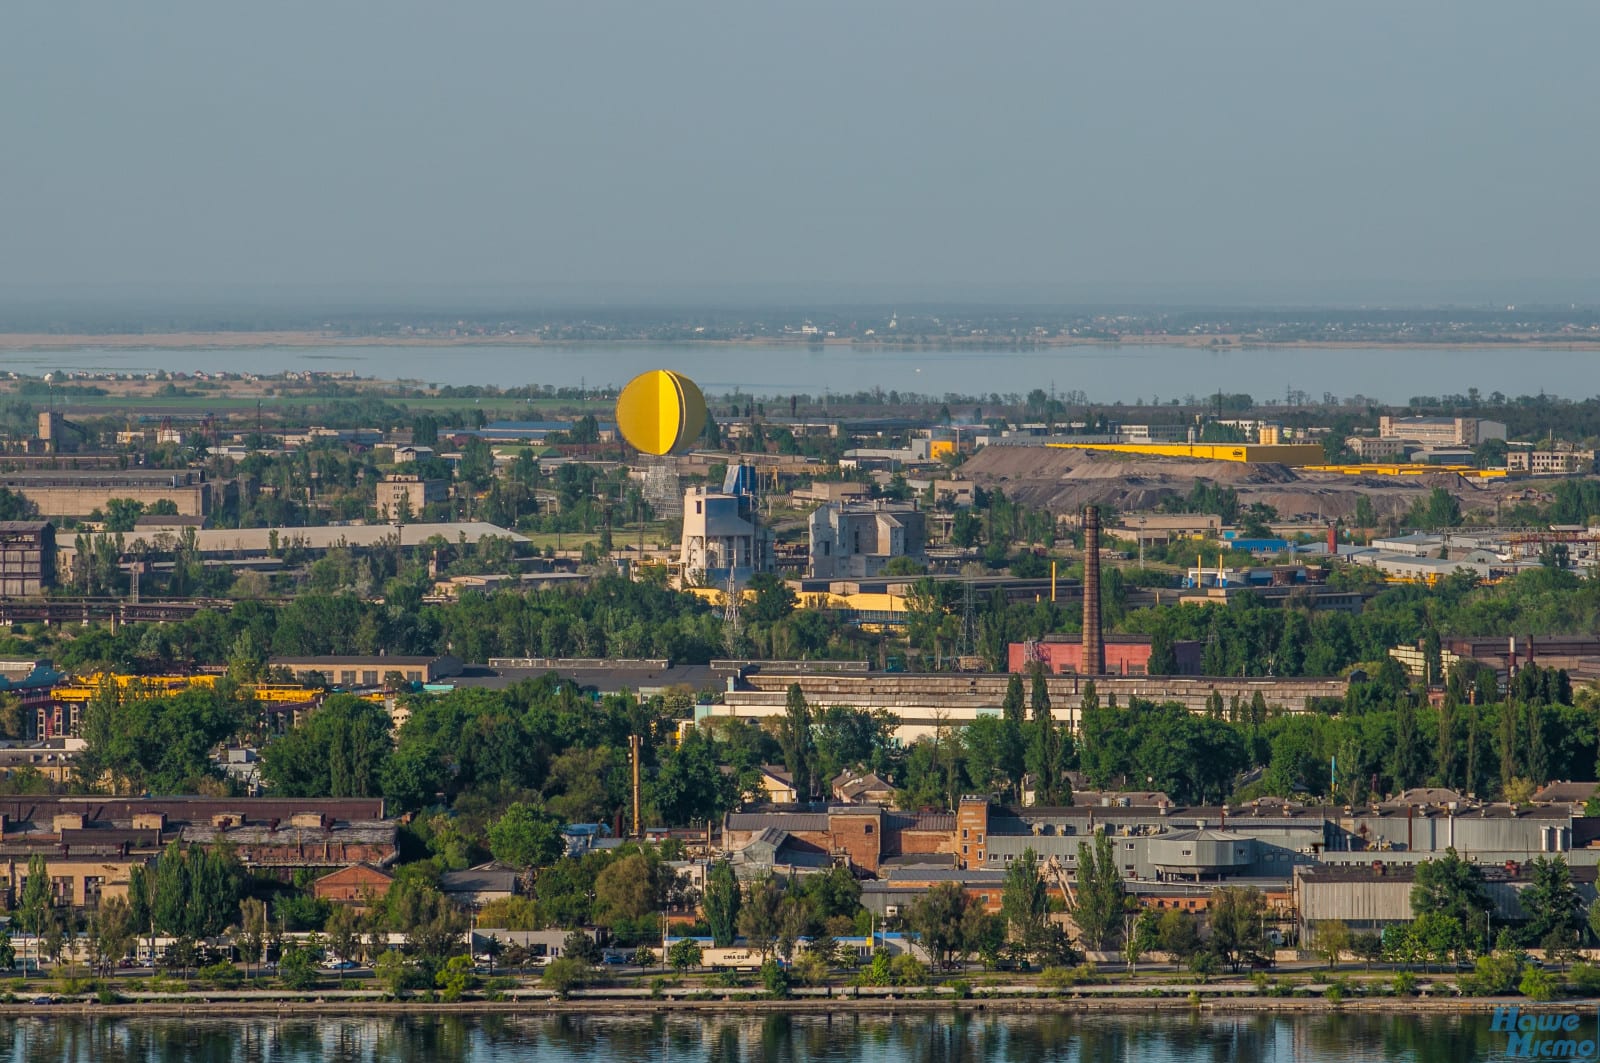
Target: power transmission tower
<point>967,643</point>
<point>730,618</point>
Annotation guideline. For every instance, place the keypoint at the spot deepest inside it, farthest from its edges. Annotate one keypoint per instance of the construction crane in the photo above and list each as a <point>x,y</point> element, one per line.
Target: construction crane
<point>1056,872</point>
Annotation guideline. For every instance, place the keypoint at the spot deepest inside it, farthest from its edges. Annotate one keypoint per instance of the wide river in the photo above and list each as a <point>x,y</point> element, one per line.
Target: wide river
<point>1173,1035</point>
<point>1110,373</point>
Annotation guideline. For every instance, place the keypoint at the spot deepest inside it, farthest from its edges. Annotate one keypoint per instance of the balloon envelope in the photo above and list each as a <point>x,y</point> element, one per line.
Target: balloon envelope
<point>661,411</point>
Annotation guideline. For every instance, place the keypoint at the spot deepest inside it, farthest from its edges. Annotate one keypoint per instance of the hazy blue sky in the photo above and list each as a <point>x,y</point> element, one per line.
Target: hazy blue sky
<point>1063,151</point>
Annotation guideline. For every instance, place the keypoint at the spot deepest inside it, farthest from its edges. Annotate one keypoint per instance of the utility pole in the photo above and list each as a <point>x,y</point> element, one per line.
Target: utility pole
<point>633,742</point>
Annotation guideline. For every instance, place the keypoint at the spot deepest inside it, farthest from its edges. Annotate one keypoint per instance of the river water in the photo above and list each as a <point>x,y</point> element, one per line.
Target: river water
<point>1173,1036</point>
<point>1109,373</point>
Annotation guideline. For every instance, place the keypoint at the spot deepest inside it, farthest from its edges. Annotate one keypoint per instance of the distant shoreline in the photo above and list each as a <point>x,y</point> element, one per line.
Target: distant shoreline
<point>229,341</point>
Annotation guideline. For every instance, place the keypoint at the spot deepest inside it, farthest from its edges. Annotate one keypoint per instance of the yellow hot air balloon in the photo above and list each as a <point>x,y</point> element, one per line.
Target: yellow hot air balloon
<point>661,411</point>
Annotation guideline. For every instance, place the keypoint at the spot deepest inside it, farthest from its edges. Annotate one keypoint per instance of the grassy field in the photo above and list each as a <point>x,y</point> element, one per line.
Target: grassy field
<point>656,533</point>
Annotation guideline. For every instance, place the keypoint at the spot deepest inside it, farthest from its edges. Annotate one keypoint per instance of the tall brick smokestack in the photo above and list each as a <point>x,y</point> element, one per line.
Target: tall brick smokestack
<point>1094,648</point>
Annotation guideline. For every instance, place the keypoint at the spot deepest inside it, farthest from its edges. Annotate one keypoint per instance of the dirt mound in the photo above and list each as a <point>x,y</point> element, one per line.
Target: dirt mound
<point>1063,480</point>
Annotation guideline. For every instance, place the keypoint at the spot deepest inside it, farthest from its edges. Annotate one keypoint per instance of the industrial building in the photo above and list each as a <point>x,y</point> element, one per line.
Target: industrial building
<point>91,844</point>
<point>247,543</point>
<point>368,671</point>
<point>858,539</point>
<point>1557,462</point>
<point>1440,431</point>
<point>925,703</point>
<point>722,538</point>
<point>27,558</point>
<point>1313,862</point>
<point>1371,896</point>
<point>80,492</point>
<point>404,496</point>
<point>1124,655</point>
<point>1372,448</point>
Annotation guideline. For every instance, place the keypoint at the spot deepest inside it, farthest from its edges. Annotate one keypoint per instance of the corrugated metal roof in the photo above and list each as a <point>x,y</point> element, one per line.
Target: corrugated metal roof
<point>941,874</point>
<point>942,821</point>
<point>789,821</point>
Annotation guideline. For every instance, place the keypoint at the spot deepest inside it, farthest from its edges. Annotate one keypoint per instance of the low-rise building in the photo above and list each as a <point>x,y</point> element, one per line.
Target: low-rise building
<point>1370,448</point>
<point>1441,431</point>
<point>80,492</point>
<point>1377,893</point>
<point>1558,462</point>
<point>858,540</point>
<point>404,496</point>
<point>27,558</point>
<point>478,886</point>
<point>833,491</point>
<point>1124,654</point>
<point>368,671</point>
<point>90,844</point>
<point>358,886</point>
<point>55,759</point>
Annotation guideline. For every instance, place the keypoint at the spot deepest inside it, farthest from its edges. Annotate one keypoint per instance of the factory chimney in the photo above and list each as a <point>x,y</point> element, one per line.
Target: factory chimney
<point>1094,650</point>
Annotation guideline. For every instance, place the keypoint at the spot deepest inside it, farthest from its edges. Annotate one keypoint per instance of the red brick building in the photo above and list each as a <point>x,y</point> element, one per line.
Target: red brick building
<point>1125,655</point>
<point>864,835</point>
<point>357,885</point>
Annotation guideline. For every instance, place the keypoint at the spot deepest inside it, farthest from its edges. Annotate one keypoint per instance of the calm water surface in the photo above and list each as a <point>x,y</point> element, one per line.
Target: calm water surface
<point>1173,1036</point>
<point>1125,372</point>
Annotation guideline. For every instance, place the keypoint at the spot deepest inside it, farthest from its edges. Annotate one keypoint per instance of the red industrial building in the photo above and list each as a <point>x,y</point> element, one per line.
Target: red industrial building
<point>1124,655</point>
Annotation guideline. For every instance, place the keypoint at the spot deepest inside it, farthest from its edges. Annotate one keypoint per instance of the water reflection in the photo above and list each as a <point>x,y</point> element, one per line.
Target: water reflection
<point>1173,1035</point>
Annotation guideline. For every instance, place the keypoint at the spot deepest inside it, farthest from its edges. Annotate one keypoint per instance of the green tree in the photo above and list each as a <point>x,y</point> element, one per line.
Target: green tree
<point>397,973</point>
<point>1332,938</point>
<point>1025,901</point>
<point>456,978</point>
<point>1013,753</point>
<point>938,917</point>
<point>564,974</point>
<point>630,889</point>
<point>1143,936</point>
<point>1044,761</point>
<point>298,969</point>
<point>1163,657</point>
<point>253,926</point>
<point>797,741</point>
<point>684,954</point>
<point>691,784</point>
<point>760,916</point>
<point>1453,889</point>
<point>339,751</point>
<point>1238,918</point>
<point>36,906</point>
<point>140,914</point>
<point>1551,903</point>
<point>111,934</point>
<point>774,599</point>
<point>526,836</point>
<point>344,933</point>
<point>1178,934</point>
<point>721,904</point>
<point>1100,893</point>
